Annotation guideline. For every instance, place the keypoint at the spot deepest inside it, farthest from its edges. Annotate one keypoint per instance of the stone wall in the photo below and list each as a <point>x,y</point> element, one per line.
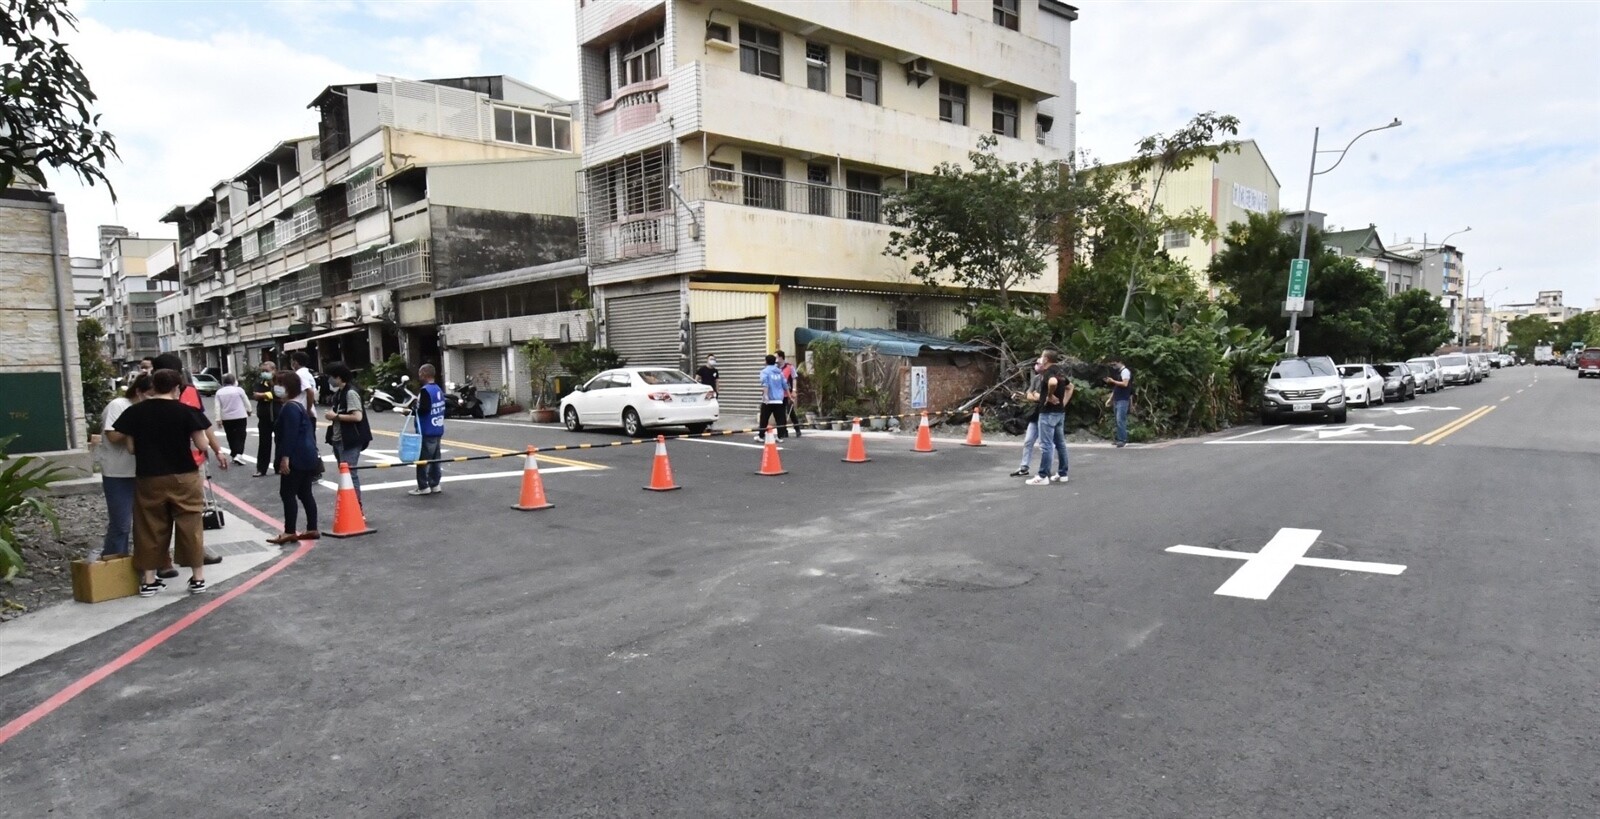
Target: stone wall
<point>33,319</point>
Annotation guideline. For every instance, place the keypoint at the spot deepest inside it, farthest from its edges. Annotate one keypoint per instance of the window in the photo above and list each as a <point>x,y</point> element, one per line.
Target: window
<point>822,316</point>
<point>953,102</point>
<point>763,181</point>
<point>641,56</point>
<point>817,66</point>
<point>1006,16</point>
<point>1175,238</point>
<point>760,52</point>
<point>861,199</point>
<point>1005,115</point>
<point>819,196</point>
<point>909,321</point>
<point>1041,126</point>
<point>528,128</point>
<point>861,78</point>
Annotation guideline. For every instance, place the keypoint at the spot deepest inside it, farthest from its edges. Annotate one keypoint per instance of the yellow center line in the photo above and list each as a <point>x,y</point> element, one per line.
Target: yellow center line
<point>490,450</point>
<point>1454,426</point>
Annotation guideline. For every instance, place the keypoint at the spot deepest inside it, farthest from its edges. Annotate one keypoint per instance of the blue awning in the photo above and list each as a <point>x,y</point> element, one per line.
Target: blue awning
<point>890,342</point>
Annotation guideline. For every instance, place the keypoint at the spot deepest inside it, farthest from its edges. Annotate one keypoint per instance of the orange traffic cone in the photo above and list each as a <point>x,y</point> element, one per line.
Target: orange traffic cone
<point>924,436</point>
<point>348,519</point>
<point>856,452</point>
<point>770,464</point>
<point>661,470</point>
<point>974,430</point>
<point>532,496</point>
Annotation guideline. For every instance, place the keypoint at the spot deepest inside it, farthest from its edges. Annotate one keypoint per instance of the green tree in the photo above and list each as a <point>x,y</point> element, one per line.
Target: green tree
<point>990,227</point>
<point>1420,324</point>
<point>1579,329</point>
<point>1528,332</point>
<point>1351,314</point>
<point>45,100</point>
<point>97,372</point>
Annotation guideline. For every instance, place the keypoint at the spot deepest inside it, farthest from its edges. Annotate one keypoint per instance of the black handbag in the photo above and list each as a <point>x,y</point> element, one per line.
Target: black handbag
<point>211,517</point>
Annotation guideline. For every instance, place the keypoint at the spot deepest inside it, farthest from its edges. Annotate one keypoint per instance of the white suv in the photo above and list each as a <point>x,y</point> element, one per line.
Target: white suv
<point>1304,385</point>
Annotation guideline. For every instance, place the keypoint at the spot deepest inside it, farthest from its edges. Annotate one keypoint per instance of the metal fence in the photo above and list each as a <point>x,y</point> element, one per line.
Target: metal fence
<point>707,184</point>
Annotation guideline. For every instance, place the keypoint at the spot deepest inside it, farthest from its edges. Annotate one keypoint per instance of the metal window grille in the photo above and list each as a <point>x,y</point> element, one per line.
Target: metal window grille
<point>361,192</point>
<point>626,209</point>
<point>763,181</point>
<point>366,269</point>
<point>273,295</point>
<point>822,316</point>
<point>817,66</point>
<point>254,301</point>
<point>268,238</point>
<point>407,264</point>
<point>862,196</point>
<point>234,255</point>
<point>815,197</point>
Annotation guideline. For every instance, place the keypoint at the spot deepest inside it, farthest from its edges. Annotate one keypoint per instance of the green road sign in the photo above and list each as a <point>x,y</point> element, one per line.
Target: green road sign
<point>1299,272</point>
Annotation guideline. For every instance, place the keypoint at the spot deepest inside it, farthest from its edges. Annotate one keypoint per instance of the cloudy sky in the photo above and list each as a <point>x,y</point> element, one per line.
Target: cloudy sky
<point>1501,101</point>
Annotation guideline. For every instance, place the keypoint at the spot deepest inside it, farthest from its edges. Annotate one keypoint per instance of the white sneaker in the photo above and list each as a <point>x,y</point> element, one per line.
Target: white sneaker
<point>1037,480</point>
<point>1060,479</point>
<point>420,492</point>
<point>438,490</point>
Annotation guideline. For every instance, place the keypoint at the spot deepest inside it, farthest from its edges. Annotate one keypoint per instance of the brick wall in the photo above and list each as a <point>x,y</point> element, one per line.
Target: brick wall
<point>951,379</point>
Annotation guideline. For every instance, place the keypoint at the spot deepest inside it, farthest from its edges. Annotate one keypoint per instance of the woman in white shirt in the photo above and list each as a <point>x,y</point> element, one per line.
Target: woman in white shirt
<point>234,407</point>
<point>117,473</point>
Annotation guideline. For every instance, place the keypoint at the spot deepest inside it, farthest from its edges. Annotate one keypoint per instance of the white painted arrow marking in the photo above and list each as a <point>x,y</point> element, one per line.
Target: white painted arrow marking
<point>1345,430</point>
<point>1264,570</point>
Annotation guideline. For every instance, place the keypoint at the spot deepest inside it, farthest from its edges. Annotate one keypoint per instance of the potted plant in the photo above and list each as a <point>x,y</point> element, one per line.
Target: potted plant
<point>542,364</point>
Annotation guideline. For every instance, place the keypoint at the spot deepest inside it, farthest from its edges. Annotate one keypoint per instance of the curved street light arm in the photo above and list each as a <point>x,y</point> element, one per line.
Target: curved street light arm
<point>1352,142</point>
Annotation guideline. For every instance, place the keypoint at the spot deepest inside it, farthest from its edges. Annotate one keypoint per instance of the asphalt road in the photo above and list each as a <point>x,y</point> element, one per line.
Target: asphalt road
<point>917,636</point>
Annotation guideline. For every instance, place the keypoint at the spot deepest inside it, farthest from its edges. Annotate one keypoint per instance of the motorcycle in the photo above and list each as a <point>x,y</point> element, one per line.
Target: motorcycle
<point>462,401</point>
<point>397,395</point>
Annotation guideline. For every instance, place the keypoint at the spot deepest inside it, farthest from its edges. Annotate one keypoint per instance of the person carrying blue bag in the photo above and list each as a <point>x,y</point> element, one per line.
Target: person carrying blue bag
<point>430,423</point>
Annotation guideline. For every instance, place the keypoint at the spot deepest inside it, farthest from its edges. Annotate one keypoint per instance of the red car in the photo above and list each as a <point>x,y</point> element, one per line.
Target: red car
<point>1589,362</point>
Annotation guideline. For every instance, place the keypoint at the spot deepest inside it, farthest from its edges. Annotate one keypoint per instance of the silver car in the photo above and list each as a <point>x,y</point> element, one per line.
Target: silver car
<point>1426,369</point>
<point>1456,370</point>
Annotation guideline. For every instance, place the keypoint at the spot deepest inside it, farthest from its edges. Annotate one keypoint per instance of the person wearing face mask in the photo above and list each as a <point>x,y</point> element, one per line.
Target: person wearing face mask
<point>266,414</point>
<point>1056,391</point>
<point>707,374</point>
<point>349,432</point>
<point>299,463</point>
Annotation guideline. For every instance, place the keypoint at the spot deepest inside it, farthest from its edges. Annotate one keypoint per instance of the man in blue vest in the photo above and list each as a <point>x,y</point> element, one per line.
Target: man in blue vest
<point>1121,398</point>
<point>430,422</point>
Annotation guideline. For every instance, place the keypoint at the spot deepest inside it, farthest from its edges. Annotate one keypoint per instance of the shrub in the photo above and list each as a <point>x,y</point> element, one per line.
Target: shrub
<point>20,484</point>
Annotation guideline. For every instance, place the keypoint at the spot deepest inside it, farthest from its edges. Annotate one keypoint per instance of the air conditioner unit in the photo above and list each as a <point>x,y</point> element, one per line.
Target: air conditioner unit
<point>297,314</point>
<point>375,306</point>
<point>223,324</point>
<point>349,311</point>
<point>918,70</point>
<point>319,316</point>
<point>720,37</point>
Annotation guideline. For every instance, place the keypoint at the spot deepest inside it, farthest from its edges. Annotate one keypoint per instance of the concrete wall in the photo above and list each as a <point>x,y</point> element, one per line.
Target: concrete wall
<point>39,316</point>
<point>469,242</point>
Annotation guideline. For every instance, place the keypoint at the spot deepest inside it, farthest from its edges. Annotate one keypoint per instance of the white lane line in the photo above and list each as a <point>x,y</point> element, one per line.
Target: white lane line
<point>1322,443</point>
<point>368,487</point>
<point>847,630</point>
<point>725,443</point>
<point>1519,392</point>
<point>505,424</point>
<point>1265,569</point>
<point>1245,435</point>
<point>1505,399</point>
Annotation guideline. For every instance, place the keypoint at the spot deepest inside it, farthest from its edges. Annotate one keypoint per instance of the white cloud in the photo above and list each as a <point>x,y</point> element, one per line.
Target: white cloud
<point>1498,101</point>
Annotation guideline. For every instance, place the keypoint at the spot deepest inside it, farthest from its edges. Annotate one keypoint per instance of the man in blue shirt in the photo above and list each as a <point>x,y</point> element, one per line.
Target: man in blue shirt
<point>774,397</point>
<point>1121,398</point>
<point>430,422</point>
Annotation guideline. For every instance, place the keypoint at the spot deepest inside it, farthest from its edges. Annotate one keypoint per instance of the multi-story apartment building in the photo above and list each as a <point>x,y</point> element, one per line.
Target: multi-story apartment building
<point>1399,272</point>
<point>86,284</point>
<point>1548,304</point>
<point>736,154</point>
<point>41,393</point>
<point>334,243</point>
<point>1227,189</point>
<point>1441,269</point>
<point>127,311</point>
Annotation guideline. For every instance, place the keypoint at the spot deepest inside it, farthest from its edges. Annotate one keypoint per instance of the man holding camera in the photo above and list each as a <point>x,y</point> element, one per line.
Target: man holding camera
<point>1121,383</point>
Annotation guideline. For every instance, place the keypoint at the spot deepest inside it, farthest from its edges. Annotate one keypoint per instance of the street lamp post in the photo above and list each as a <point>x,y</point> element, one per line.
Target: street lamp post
<point>1466,290</point>
<point>1295,300</point>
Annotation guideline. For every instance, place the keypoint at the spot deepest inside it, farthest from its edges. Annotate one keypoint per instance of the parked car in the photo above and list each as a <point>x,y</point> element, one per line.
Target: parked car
<point>1398,382</point>
<point>1589,362</point>
<point>1571,360</point>
<point>1455,369</point>
<point>1426,369</point>
<point>636,398</point>
<point>1481,363</point>
<point>1304,385</point>
<point>205,382</point>
<point>1362,384</point>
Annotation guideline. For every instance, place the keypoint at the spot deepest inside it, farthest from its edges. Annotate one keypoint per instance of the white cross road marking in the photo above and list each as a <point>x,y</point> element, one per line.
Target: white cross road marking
<point>1344,430</point>
<point>1264,570</point>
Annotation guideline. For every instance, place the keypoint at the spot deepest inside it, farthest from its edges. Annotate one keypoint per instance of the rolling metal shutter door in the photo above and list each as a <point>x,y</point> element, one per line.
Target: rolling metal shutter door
<point>482,363</point>
<point>741,350</point>
<point>644,329</point>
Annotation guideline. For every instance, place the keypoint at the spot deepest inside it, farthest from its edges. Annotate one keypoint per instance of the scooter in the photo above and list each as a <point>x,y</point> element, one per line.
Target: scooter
<point>462,401</point>
<point>397,395</point>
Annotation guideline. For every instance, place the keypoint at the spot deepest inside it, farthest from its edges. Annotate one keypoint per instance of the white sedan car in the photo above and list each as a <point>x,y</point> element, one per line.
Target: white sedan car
<point>1362,384</point>
<point>636,398</point>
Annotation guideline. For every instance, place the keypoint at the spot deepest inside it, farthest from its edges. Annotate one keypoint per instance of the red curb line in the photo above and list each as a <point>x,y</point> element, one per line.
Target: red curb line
<point>87,681</point>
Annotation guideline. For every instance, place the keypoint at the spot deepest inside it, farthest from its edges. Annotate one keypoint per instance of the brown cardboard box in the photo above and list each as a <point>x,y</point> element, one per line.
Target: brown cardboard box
<point>96,581</point>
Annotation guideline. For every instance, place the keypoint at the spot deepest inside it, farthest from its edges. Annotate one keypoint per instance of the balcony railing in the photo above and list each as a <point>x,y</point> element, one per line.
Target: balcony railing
<point>202,269</point>
<point>366,270</point>
<point>720,185</point>
<point>407,264</point>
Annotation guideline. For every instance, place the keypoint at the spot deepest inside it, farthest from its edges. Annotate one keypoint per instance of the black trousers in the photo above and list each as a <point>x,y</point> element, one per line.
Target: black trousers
<point>769,412</point>
<point>791,414</point>
<point>296,486</point>
<point>264,425</point>
<point>237,430</point>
